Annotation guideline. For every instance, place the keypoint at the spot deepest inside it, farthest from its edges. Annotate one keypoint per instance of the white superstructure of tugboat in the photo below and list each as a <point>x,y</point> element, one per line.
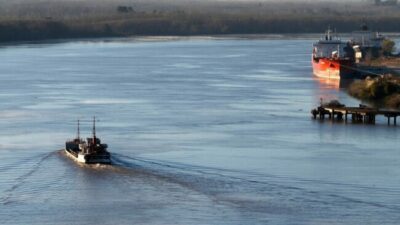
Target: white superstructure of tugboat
<point>91,151</point>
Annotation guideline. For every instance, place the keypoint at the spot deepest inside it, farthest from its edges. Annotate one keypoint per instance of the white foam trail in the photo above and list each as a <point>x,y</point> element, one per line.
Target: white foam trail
<point>21,180</point>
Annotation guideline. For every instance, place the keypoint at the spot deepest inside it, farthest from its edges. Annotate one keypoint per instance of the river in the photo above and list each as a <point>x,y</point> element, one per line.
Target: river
<point>202,131</point>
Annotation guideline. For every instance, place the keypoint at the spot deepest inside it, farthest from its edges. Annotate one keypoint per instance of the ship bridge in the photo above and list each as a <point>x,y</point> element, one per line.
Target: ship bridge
<point>325,49</point>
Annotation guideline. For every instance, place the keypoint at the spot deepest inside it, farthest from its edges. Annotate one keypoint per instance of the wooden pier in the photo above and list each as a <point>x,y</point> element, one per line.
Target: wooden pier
<point>361,114</point>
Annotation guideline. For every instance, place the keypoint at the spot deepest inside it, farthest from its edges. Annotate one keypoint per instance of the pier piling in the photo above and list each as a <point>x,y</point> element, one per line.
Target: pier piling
<point>361,114</point>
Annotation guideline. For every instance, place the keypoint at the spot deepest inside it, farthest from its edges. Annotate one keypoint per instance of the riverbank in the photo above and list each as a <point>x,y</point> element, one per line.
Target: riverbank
<point>382,90</point>
<point>392,63</point>
<point>15,31</point>
<point>65,20</point>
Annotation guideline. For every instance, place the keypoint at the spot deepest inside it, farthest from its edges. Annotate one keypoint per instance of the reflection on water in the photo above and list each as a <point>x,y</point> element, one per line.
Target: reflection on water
<point>326,83</point>
<point>334,89</point>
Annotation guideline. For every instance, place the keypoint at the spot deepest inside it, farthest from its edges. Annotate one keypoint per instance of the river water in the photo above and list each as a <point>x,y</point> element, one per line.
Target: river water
<point>202,131</point>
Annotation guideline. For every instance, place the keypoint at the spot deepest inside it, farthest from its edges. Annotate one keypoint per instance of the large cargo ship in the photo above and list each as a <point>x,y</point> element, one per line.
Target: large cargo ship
<point>91,151</point>
<point>333,58</point>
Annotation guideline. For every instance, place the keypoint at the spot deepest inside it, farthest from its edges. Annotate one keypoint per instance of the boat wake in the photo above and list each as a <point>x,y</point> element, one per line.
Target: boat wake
<point>260,192</point>
<point>36,163</point>
<point>255,195</point>
<point>245,191</point>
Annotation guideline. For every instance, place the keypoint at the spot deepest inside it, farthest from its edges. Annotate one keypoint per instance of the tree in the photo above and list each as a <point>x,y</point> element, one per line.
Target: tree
<point>124,9</point>
<point>388,47</point>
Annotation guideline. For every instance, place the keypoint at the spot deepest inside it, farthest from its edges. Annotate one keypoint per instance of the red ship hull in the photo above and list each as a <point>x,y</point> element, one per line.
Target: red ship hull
<point>330,68</point>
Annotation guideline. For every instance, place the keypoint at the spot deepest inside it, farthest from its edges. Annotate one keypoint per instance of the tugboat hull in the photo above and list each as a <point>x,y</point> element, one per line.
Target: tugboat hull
<point>88,158</point>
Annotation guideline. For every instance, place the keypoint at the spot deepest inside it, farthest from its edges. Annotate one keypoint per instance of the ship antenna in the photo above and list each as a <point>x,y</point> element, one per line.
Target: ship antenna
<point>328,35</point>
<point>336,36</point>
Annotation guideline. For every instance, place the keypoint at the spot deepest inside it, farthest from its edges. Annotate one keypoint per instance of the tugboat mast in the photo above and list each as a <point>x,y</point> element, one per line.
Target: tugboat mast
<point>94,130</point>
<point>78,133</point>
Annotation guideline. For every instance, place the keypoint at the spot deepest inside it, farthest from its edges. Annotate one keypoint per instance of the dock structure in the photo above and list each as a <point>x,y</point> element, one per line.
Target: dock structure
<point>361,114</point>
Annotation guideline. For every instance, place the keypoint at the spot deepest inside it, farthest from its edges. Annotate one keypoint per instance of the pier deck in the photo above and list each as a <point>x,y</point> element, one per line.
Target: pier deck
<point>360,114</point>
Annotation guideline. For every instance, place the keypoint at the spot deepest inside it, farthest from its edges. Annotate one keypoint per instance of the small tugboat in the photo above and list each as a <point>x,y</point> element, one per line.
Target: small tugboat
<point>91,151</point>
<point>333,58</point>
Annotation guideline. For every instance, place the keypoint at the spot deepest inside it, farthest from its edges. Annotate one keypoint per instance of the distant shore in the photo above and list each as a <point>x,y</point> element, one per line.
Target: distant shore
<point>53,30</point>
<point>38,30</point>
<point>32,20</point>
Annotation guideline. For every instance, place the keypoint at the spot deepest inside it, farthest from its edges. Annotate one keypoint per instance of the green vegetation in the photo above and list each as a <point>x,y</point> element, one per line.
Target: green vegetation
<point>388,47</point>
<point>383,89</point>
<point>393,101</point>
<point>333,103</point>
<point>26,20</point>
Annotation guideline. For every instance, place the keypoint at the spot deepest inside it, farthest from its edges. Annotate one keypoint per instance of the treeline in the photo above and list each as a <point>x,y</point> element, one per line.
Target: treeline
<point>181,23</point>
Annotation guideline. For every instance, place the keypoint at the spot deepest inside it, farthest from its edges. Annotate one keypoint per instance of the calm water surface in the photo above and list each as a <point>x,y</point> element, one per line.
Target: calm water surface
<point>203,131</point>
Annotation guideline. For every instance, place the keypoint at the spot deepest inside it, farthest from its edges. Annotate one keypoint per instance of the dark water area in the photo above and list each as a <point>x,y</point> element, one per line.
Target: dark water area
<point>202,131</point>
